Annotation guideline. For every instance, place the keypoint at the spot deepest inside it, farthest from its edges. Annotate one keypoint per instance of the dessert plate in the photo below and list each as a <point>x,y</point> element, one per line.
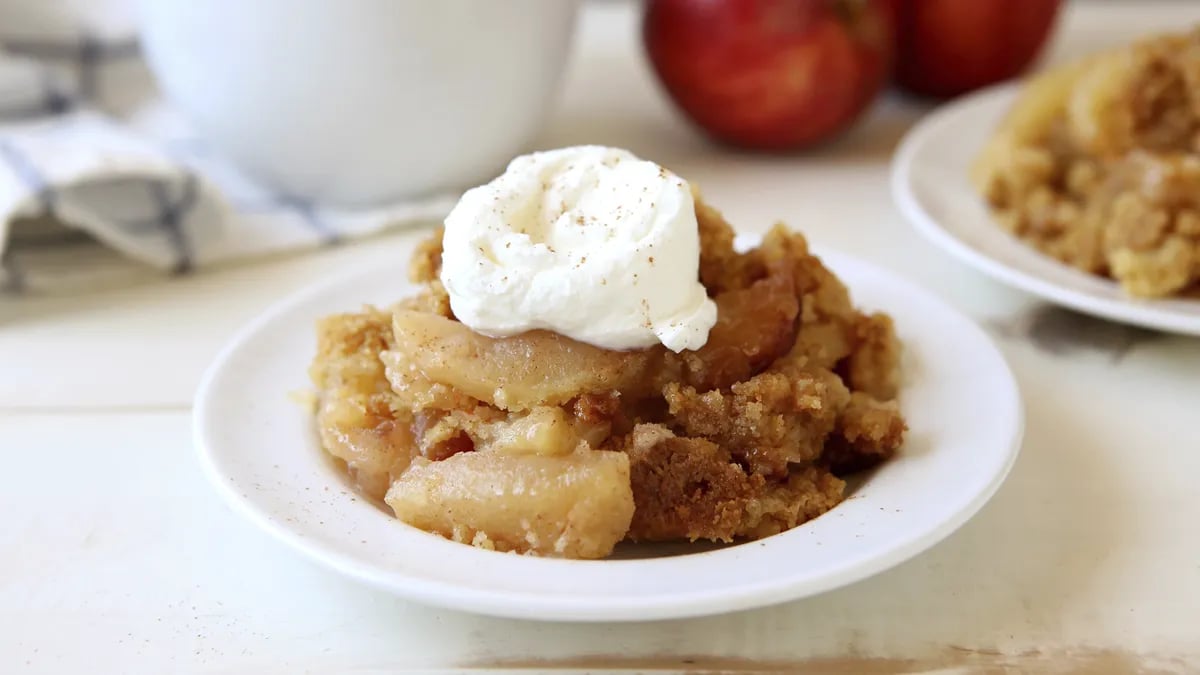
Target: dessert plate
<point>258,445</point>
<point>931,188</point>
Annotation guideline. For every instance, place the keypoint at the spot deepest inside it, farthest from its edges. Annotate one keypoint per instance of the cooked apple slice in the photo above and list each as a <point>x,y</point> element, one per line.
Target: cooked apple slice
<point>513,373</point>
<point>375,447</point>
<point>575,506</point>
<point>356,418</point>
<point>755,325</point>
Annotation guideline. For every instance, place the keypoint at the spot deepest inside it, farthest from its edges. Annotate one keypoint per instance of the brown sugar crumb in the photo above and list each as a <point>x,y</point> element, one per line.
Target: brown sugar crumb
<point>768,422</point>
<point>688,488</point>
<point>876,350</point>
<point>868,433</point>
<point>426,262</point>
<point>685,488</point>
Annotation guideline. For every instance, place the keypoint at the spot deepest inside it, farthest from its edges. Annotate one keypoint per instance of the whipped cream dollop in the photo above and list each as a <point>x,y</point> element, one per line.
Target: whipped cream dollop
<point>589,242</point>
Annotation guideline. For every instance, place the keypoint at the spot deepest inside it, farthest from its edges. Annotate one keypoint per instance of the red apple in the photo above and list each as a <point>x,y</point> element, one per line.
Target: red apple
<point>771,74</point>
<point>948,47</point>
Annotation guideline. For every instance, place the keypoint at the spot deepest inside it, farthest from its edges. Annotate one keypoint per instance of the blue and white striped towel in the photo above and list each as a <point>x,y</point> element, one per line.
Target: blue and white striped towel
<point>102,183</point>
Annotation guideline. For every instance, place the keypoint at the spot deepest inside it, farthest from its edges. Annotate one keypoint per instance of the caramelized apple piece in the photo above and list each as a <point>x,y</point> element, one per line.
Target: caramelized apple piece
<point>375,447</point>
<point>755,326</point>
<point>513,373</point>
<point>355,418</point>
<point>575,506</point>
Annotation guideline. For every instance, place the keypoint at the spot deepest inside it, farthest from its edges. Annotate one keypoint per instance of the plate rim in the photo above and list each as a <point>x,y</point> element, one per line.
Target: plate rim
<point>1128,311</point>
<point>567,608</point>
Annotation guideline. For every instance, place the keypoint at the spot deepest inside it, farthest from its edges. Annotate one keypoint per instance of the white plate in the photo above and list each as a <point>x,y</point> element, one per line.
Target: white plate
<point>260,450</point>
<point>931,187</point>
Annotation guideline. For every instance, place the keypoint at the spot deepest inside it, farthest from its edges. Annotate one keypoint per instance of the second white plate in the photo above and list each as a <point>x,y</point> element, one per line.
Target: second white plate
<point>931,188</point>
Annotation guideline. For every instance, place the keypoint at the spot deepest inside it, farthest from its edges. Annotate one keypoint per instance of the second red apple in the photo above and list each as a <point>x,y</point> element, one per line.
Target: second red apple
<point>948,47</point>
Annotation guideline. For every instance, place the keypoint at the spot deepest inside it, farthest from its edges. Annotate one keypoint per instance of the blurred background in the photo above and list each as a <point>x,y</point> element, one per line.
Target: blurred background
<point>129,124</point>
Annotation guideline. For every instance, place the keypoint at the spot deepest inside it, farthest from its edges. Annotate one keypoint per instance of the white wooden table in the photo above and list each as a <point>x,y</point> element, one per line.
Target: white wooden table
<point>116,556</point>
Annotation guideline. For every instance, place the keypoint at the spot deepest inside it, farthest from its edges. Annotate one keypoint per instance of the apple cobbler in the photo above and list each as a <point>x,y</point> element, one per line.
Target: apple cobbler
<point>540,444</point>
<point>1098,165</point>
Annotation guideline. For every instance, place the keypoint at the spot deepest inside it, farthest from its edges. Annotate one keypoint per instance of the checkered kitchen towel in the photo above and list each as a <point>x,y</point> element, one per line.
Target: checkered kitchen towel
<point>101,182</point>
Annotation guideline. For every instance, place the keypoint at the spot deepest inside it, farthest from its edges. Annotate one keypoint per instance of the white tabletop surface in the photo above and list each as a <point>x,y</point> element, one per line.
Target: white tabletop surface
<point>116,556</point>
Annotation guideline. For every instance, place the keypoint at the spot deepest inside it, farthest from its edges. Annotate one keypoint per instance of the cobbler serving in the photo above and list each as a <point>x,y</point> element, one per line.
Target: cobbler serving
<point>1098,165</point>
<point>666,387</point>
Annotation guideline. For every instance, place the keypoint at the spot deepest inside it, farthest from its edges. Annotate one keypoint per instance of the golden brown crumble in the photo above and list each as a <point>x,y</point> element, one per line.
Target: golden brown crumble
<point>1098,165</point>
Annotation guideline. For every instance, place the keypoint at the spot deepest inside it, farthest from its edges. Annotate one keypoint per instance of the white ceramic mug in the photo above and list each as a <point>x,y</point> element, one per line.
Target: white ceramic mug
<point>358,102</point>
